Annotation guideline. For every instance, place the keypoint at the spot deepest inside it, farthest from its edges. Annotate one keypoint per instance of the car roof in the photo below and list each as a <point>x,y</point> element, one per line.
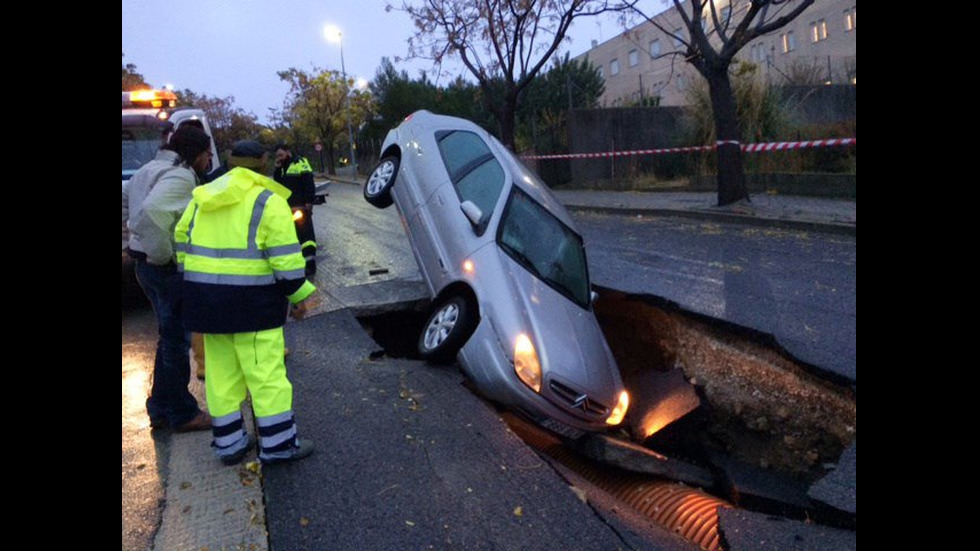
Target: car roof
<point>522,176</point>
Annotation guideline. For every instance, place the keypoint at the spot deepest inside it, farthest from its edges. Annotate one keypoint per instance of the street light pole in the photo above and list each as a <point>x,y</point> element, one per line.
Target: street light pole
<point>350,131</point>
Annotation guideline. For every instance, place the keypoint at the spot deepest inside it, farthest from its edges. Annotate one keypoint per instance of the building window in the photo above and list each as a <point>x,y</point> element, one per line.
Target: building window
<point>602,73</point>
<point>655,47</point>
<point>634,58</point>
<point>789,41</point>
<point>758,52</point>
<point>614,67</point>
<point>850,19</point>
<point>818,30</point>
<point>677,38</point>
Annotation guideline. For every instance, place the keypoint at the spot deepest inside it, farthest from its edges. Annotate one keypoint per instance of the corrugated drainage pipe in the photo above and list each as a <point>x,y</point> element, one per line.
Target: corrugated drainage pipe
<point>686,511</point>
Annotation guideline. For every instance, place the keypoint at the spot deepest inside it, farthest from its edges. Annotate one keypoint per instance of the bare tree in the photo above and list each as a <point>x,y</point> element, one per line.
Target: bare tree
<point>714,31</point>
<point>503,43</point>
<point>319,105</point>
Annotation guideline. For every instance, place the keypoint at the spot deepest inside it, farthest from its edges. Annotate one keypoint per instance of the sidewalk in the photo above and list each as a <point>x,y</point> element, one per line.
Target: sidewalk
<point>781,211</point>
<point>785,211</point>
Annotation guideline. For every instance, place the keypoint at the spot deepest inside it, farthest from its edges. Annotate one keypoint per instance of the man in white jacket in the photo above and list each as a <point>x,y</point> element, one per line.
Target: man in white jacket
<point>153,200</point>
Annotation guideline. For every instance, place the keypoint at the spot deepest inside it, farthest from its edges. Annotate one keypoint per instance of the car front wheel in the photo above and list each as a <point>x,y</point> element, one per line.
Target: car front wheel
<point>377,189</point>
<point>446,330</point>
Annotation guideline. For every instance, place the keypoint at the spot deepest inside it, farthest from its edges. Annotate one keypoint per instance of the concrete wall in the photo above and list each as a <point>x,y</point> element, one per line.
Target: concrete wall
<point>638,128</point>
<point>621,129</point>
<point>807,105</point>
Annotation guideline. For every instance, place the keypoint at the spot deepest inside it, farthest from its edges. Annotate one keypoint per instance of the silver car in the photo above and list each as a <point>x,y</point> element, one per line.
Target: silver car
<point>506,270</point>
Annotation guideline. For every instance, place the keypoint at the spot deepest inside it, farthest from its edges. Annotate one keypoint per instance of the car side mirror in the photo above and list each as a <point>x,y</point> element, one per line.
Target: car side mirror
<point>473,213</point>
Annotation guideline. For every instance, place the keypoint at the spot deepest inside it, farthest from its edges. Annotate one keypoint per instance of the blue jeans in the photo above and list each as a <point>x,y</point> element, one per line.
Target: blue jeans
<point>169,399</point>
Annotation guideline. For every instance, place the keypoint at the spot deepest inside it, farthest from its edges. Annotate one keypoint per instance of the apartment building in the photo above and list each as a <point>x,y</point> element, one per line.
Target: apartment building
<point>820,45</point>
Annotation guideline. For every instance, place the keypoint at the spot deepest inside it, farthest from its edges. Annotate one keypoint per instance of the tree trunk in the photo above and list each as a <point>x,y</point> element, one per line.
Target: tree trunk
<point>330,162</point>
<point>505,120</point>
<point>731,172</point>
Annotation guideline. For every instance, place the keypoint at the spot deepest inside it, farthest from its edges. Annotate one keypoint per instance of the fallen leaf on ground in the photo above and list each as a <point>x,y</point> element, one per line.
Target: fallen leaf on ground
<point>303,521</point>
<point>580,493</point>
<point>518,511</point>
<point>410,523</point>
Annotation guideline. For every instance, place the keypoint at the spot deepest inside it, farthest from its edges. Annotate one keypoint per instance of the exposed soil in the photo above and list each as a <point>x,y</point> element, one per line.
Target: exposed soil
<point>758,404</point>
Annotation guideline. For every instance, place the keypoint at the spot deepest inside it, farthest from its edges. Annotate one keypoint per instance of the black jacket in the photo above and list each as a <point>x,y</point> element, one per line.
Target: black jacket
<point>299,180</point>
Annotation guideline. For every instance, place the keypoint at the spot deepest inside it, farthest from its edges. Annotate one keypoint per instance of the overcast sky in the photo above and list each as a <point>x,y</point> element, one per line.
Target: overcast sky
<point>235,47</point>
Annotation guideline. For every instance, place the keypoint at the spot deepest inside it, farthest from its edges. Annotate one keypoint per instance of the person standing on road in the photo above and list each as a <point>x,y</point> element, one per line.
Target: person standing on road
<point>242,266</point>
<point>296,174</point>
<point>153,199</point>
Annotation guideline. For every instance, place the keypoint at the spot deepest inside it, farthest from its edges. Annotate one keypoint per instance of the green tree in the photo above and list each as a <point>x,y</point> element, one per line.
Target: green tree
<point>320,105</point>
<point>503,43</point>
<point>228,123</point>
<point>714,31</point>
<point>566,85</point>
<point>398,96</point>
<point>131,80</point>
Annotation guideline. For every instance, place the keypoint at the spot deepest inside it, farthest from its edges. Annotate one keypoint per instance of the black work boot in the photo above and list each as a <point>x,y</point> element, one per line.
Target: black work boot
<point>303,449</point>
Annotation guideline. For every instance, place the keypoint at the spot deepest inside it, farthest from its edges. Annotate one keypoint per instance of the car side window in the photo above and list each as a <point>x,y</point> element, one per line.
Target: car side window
<point>460,151</point>
<point>482,185</point>
<point>475,172</point>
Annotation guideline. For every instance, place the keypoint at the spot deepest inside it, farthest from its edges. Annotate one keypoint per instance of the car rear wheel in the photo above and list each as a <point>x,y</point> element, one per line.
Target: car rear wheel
<point>446,330</point>
<point>377,189</point>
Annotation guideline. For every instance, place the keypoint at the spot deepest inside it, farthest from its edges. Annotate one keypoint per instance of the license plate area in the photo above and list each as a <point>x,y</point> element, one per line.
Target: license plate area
<point>560,428</point>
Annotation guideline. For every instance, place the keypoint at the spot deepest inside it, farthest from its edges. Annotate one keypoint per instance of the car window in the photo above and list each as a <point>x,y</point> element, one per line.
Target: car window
<point>460,150</point>
<point>482,185</point>
<point>545,246</point>
<point>139,146</point>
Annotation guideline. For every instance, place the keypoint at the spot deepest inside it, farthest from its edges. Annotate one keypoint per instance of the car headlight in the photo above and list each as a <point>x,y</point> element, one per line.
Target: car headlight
<point>618,412</point>
<point>526,362</point>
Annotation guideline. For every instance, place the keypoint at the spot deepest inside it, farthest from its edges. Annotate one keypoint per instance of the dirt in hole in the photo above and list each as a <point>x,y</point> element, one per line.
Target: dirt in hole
<point>758,405</point>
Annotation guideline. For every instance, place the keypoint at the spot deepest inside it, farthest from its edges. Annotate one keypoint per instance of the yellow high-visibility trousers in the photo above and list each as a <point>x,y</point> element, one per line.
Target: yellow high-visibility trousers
<point>247,362</point>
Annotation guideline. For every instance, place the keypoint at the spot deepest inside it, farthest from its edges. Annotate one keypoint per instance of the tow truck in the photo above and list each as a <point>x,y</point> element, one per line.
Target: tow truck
<point>145,114</point>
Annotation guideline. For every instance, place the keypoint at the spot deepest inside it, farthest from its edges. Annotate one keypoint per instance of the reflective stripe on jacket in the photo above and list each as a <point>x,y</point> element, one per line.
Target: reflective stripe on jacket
<point>237,248</point>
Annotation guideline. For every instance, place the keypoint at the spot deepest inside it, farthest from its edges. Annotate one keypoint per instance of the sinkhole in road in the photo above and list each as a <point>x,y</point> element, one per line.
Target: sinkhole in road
<point>752,402</point>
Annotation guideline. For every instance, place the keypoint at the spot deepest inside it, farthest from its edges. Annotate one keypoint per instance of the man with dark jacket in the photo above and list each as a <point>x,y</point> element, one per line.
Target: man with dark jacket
<point>296,175</point>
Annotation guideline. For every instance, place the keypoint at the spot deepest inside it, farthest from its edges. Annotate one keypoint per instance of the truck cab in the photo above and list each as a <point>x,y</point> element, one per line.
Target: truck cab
<point>145,113</point>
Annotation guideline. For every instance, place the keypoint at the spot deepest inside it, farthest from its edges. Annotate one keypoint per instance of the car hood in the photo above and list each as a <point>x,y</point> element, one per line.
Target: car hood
<point>569,342</point>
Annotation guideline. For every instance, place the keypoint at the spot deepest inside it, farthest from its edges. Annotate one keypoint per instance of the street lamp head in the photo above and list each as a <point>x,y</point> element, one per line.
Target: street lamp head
<point>333,33</point>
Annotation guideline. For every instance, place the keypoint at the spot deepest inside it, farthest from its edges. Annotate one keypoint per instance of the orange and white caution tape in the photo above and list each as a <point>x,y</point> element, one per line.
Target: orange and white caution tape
<point>747,148</point>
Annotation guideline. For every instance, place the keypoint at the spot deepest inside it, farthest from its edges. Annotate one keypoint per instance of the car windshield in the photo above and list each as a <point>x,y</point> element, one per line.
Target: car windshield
<point>545,246</point>
<point>139,146</point>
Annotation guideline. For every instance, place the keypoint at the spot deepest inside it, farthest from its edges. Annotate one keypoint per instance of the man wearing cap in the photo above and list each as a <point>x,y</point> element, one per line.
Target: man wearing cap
<point>296,174</point>
<point>153,199</point>
<point>243,267</point>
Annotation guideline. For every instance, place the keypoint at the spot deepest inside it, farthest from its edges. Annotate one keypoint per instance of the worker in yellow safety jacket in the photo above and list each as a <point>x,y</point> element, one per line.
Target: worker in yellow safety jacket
<point>242,268</point>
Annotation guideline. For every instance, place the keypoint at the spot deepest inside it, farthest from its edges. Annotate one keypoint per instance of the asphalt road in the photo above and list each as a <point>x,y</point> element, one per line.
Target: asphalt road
<point>798,286</point>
